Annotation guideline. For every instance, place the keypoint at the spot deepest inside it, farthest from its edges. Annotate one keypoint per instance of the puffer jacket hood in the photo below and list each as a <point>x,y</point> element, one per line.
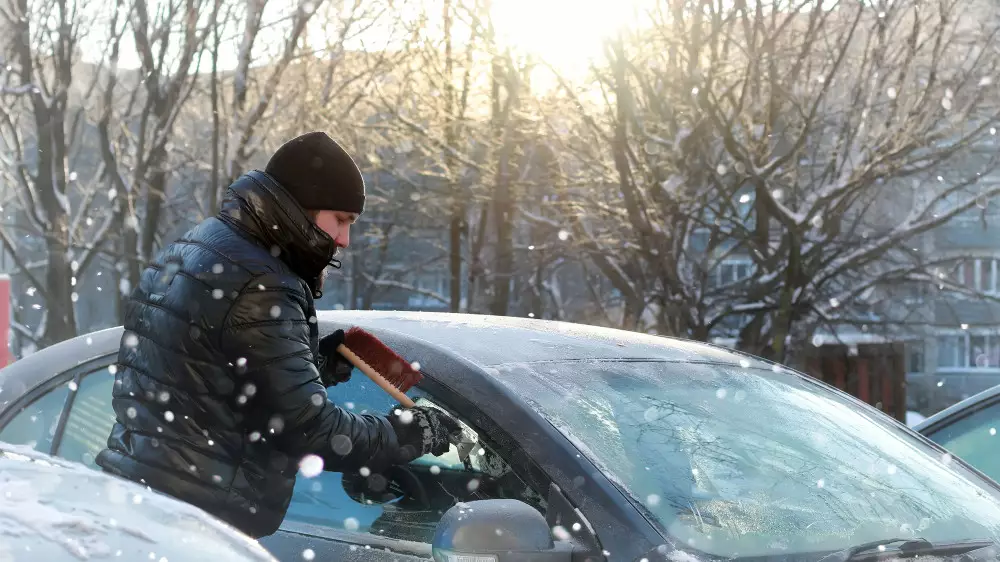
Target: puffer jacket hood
<point>217,396</point>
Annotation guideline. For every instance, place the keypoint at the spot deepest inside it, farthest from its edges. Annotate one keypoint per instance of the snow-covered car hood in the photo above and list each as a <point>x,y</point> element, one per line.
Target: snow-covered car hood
<point>52,509</point>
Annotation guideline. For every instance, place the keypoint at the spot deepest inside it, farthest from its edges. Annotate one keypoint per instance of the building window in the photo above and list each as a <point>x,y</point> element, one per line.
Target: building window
<point>698,241</point>
<point>732,270</point>
<point>969,351</point>
<point>916,291</point>
<point>977,274</point>
<point>915,357</point>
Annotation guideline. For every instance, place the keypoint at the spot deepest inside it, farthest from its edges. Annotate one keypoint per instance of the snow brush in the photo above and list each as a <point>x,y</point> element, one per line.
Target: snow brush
<point>372,357</point>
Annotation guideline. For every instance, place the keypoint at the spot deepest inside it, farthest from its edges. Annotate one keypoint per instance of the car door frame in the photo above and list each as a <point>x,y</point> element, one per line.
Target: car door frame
<point>955,413</point>
<point>76,374</point>
<point>509,450</point>
<point>469,391</point>
<point>958,412</point>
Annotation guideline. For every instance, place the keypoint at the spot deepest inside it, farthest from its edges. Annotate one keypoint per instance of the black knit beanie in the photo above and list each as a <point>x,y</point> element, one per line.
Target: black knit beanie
<point>319,174</point>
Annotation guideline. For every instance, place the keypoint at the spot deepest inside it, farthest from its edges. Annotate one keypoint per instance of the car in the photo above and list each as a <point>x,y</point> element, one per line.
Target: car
<point>913,418</point>
<point>57,510</point>
<point>581,443</point>
<point>968,429</point>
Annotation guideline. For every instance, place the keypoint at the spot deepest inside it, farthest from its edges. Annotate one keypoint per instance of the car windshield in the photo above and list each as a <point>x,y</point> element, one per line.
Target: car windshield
<point>755,460</point>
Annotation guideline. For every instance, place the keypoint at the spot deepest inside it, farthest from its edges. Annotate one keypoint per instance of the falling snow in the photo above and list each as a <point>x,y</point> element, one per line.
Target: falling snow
<point>311,466</point>
<point>623,256</point>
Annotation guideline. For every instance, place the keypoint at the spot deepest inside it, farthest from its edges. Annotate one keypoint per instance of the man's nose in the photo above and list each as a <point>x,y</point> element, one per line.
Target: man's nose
<point>343,239</point>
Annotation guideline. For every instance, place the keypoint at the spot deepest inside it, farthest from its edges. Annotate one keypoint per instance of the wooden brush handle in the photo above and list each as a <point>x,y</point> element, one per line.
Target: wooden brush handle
<point>373,375</point>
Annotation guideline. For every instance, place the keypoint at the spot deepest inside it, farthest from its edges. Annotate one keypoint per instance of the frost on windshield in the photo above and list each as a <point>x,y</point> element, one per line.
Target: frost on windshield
<point>745,459</point>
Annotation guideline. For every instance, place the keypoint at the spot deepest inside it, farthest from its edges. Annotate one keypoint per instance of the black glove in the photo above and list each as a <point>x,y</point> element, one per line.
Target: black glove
<point>333,367</point>
<point>421,430</point>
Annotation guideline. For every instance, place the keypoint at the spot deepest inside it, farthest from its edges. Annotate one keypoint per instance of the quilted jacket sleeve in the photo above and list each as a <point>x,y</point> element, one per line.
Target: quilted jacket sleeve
<point>266,338</point>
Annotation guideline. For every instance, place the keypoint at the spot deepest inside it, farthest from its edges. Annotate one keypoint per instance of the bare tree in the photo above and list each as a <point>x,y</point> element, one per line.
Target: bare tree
<point>246,111</point>
<point>42,89</point>
<point>427,116</point>
<point>474,140</point>
<point>806,139</point>
<point>136,126</point>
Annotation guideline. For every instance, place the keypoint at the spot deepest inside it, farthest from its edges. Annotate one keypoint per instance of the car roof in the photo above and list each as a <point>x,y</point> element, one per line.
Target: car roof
<point>29,372</point>
<point>482,340</point>
<point>492,340</point>
<point>957,408</point>
<point>56,510</point>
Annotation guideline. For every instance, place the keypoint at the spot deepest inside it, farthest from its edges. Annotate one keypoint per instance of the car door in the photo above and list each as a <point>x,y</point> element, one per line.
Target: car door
<point>972,436</point>
<point>335,517</point>
<point>330,516</point>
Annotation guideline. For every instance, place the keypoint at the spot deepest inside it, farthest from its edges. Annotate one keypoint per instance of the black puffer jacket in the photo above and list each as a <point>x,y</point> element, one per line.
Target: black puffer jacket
<point>217,395</point>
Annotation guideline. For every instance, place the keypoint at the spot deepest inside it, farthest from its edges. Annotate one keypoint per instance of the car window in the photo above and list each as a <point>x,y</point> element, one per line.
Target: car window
<point>973,438</point>
<point>36,424</point>
<point>348,503</point>
<point>90,419</point>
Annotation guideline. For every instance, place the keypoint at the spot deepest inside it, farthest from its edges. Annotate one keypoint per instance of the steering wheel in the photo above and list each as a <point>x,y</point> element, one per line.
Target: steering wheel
<point>395,483</point>
<point>410,485</point>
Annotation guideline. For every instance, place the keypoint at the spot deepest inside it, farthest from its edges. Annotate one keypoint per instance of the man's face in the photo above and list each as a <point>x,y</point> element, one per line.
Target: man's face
<point>337,224</point>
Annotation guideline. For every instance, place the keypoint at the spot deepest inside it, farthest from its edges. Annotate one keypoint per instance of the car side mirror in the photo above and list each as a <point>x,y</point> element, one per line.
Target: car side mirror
<point>497,531</point>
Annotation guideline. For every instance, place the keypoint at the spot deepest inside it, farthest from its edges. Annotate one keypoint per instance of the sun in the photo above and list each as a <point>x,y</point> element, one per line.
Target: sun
<point>565,34</point>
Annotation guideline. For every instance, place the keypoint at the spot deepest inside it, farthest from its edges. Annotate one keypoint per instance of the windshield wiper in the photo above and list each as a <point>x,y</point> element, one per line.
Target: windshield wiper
<point>909,548</point>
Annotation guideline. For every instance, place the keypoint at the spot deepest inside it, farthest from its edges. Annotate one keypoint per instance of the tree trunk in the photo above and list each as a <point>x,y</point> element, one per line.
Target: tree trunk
<point>504,205</point>
<point>455,230</point>
<point>155,198</point>
<point>50,178</point>
<point>456,226</point>
<point>130,250</point>
<point>538,294</point>
<point>477,270</point>
<point>61,320</point>
<point>632,313</point>
<point>213,194</point>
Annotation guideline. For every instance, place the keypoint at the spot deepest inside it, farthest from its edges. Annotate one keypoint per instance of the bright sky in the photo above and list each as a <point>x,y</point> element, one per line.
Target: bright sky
<point>565,33</point>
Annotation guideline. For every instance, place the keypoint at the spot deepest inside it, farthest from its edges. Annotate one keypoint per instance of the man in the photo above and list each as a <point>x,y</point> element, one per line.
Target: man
<point>220,392</point>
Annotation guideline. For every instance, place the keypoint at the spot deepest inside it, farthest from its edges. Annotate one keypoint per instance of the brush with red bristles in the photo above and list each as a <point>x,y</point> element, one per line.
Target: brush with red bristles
<point>380,363</point>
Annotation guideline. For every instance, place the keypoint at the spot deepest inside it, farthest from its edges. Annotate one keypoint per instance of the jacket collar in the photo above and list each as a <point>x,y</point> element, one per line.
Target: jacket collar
<point>258,205</point>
